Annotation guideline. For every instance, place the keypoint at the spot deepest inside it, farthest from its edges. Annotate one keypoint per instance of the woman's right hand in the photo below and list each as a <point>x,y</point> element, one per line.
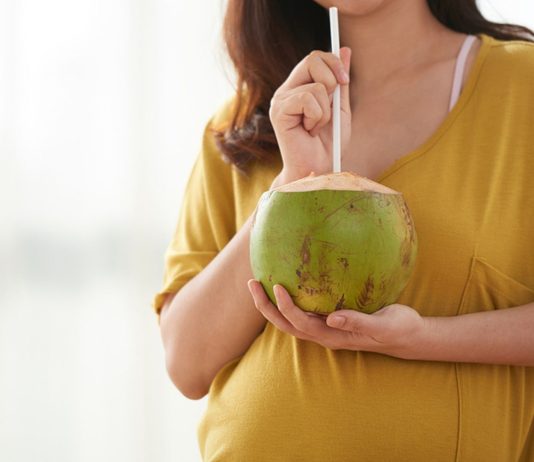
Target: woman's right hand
<point>301,113</point>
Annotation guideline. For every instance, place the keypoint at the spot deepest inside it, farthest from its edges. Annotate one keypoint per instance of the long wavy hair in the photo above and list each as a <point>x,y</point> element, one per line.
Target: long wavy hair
<point>265,39</point>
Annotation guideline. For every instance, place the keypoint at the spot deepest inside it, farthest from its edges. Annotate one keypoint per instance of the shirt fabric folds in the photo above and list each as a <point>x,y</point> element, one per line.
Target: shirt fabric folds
<point>469,190</point>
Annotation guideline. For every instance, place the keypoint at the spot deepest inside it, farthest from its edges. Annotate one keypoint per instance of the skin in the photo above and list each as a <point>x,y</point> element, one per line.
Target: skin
<point>400,53</point>
<point>401,62</point>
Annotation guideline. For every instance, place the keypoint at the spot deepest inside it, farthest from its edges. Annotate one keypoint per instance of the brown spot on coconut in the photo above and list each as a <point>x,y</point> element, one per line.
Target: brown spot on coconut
<point>305,250</point>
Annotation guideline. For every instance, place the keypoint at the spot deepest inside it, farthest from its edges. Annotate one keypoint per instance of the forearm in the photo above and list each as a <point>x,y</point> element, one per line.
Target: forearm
<point>495,337</point>
<point>212,319</point>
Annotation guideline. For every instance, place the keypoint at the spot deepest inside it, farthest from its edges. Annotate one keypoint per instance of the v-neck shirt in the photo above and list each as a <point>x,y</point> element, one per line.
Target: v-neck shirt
<point>470,194</point>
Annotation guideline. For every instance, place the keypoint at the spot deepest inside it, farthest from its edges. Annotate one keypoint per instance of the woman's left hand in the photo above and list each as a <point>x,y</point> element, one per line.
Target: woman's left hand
<point>393,330</point>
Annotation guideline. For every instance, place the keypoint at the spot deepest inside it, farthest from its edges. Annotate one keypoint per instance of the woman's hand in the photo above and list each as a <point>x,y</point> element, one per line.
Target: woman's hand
<point>393,330</point>
<point>301,112</point>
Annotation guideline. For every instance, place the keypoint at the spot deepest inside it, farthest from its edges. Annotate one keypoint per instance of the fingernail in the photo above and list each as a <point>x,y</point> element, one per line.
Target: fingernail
<point>344,76</point>
<point>336,320</point>
<point>250,284</point>
<point>277,290</point>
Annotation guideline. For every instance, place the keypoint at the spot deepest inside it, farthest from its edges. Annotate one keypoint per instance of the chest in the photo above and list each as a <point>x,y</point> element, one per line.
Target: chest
<point>389,124</point>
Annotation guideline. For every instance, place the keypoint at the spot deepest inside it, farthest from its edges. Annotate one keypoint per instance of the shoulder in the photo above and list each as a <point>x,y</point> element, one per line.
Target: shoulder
<point>506,73</point>
<point>220,119</point>
<point>514,57</point>
<point>223,114</point>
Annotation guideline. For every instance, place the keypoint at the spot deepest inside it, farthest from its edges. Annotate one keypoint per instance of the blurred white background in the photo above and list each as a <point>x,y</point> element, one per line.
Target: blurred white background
<point>102,106</point>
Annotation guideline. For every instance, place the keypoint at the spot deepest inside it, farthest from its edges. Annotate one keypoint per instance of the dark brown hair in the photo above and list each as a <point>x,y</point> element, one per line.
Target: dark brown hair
<point>265,39</point>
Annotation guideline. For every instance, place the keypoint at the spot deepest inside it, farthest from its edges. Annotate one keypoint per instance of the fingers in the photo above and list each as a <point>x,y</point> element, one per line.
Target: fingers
<point>315,77</point>
<point>361,324</point>
<point>289,318</point>
<point>301,320</point>
<point>345,54</point>
<point>309,104</point>
<point>270,312</point>
<point>318,66</point>
<point>305,98</point>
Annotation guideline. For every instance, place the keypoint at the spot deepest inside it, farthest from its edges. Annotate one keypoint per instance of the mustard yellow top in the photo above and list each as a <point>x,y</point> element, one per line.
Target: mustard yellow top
<point>470,188</point>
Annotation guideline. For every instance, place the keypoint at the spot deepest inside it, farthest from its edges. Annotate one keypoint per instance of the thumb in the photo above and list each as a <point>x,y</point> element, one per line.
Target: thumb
<point>344,55</point>
<point>353,321</point>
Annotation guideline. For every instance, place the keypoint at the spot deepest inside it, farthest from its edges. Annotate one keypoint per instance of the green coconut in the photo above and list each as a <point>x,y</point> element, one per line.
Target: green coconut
<point>336,241</point>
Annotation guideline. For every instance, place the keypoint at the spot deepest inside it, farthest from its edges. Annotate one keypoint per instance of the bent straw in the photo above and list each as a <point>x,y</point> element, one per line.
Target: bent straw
<point>336,110</point>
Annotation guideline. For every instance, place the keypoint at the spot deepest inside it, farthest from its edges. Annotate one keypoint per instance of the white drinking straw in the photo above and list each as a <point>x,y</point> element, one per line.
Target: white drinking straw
<point>336,115</point>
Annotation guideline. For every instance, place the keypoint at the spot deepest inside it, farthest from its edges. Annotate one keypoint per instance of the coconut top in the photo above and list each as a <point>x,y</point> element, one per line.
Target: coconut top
<point>335,181</point>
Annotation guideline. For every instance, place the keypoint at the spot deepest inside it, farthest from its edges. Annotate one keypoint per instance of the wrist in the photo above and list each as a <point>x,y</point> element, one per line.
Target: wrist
<point>420,342</point>
<point>284,177</point>
<point>288,176</point>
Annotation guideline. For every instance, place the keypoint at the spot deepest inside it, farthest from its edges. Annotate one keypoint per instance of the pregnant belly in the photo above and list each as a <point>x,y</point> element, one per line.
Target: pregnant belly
<point>292,400</point>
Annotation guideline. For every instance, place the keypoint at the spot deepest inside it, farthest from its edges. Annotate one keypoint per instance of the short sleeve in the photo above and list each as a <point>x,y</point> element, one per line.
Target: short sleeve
<point>206,221</point>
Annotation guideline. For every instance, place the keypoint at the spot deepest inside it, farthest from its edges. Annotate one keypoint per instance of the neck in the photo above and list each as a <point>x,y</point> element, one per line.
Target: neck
<point>400,34</point>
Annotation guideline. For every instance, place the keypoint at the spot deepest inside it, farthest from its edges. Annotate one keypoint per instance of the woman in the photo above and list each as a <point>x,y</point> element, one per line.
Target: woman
<point>446,374</point>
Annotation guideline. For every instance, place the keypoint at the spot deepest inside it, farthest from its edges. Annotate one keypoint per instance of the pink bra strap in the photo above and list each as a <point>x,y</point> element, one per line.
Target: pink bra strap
<point>459,70</point>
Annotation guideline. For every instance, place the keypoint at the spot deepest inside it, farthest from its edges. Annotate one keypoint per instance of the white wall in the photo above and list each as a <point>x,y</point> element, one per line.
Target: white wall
<point>102,105</point>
